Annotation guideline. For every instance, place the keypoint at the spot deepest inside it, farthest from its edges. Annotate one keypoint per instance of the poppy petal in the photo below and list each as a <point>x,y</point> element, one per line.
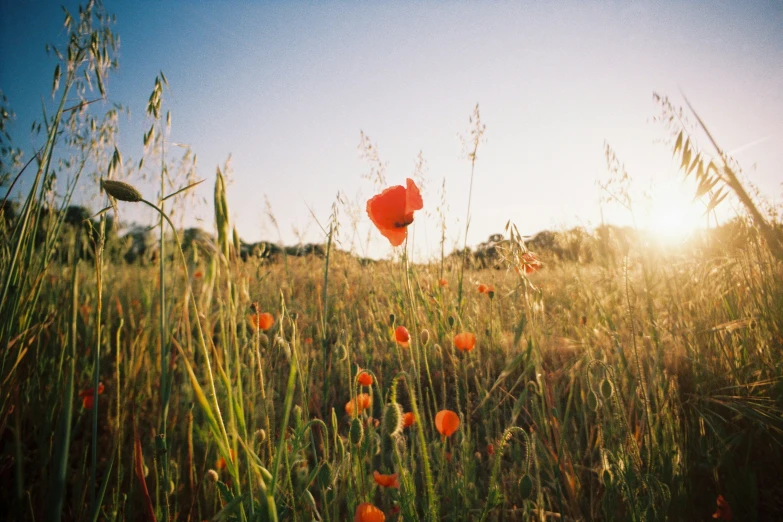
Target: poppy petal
<point>413,199</point>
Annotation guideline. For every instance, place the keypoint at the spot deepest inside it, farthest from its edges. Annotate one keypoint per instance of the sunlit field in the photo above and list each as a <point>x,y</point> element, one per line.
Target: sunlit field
<point>624,373</point>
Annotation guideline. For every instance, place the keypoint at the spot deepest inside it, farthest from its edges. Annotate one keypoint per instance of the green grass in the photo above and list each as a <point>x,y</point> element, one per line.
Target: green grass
<point>637,385</point>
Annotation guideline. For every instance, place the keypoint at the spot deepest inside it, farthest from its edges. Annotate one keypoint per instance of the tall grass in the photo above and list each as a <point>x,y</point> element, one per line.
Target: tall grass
<point>637,387</point>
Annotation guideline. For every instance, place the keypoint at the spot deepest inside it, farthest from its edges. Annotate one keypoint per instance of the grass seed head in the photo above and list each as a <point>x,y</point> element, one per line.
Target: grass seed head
<point>121,191</point>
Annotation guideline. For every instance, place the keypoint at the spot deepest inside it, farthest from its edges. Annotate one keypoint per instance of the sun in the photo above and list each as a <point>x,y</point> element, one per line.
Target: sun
<point>672,216</point>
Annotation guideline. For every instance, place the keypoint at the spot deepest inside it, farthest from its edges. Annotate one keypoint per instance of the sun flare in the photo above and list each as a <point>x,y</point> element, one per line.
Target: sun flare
<point>672,215</point>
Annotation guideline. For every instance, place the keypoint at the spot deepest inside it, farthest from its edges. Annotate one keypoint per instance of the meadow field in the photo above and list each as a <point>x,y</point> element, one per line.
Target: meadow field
<point>599,375</point>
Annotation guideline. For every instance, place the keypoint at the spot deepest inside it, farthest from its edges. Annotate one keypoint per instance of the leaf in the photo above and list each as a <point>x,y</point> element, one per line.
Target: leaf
<point>686,155</point>
<point>677,144</point>
<point>716,200</point>
<point>56,81</point>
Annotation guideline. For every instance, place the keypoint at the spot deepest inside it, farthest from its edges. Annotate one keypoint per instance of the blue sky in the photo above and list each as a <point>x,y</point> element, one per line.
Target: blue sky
<point>286,88</point>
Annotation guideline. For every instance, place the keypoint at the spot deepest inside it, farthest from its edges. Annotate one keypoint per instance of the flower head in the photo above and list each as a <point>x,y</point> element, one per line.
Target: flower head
<point>529,263</point>
<point>485,289</point>
<point>724,510</point>
<point>358,405</point>
<point>366,512</point>
<point>465,341</point>
<point>392,210</point>
<point>387,481</point>
<point>88,396</point>
<point>408,419</point>
<point>263,321</point>
<point>402,336</point>
<point>446,422</point>
<point>364,378</point>
<point>443,283</point>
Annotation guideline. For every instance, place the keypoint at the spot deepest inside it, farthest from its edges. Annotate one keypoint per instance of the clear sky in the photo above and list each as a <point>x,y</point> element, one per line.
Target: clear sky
<point>286,88</point>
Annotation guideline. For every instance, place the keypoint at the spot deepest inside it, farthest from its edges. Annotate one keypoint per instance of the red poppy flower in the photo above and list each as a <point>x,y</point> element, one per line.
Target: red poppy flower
<point>724,510</point>
<point>88,397</point>
<point>263,321</point>
<point>392,210</point>
<point>387,481</point>
<point>446,422</point>
<point>366,512</point>
<point>361,403</point>
<point>485,289</point>
<point>408,419</point>
<point>443,282</point>
<point>364,378</point>
<point>465,341</point>
<point>529,262</point>
<point>198,274</point>
<point>402,336</point>
<point>490,449</point>
<point>221,462</point>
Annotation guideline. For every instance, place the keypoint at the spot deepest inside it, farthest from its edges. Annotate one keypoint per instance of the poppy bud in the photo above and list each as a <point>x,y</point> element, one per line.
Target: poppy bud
<point>392,319</point>
<point>592,401</point>
<point>212,475</point>
<point>526,486</point>
<point>260,436</point>
<point>425,337</point>
<point>607,389</point>
<point>263,340</point>
<point>606,476</point>
<point>121,190</point>
<point>356,433</point>
<point>392,419</point>
<point>451,321</point>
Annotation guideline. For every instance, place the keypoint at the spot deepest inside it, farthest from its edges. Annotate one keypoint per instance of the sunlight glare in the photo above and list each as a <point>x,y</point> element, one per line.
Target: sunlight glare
<point>672,214</point>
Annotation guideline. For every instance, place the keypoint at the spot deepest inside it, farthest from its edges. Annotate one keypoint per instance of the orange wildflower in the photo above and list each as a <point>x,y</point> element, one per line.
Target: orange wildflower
<point>443,282</point>
<point>198,274</point>
<point>387,481</point>
<point>364,378</point>
<point>264,321</point>
<point>485,289</point>
<point>529,262</point>
<point>308,340</point>
<point>366,512</point>
<point>221,462</point>
<point>361,403</point>
<point>408,419</point>
<point>490,449</point>
<point>465,341</point>
<point>724,510</point>
<point>392,210</point>
<point>402,336</point>
<point>88,396</point>
<point>446,422</point>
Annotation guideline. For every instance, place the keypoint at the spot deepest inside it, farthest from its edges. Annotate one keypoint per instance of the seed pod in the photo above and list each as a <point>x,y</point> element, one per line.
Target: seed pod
<point>356,433</point>
<point>121,190</point>
<point>392,419</point>
<point>592,401</point>
<point>526,486</point>
<point>607,390</point>
<point>263,340</point>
